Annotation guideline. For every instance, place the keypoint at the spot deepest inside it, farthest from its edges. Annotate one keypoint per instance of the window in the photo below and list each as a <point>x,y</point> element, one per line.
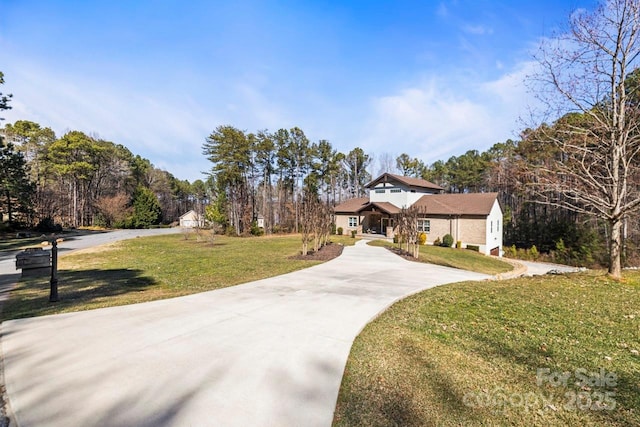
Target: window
<point>424,225</point>
<point>380,191</point>
<point>492,226</point>
<point>353,221</point>
<point>396,190</point>
<point>498,225</point>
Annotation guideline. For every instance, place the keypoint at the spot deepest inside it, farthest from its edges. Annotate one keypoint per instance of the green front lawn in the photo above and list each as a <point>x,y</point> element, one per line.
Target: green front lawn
<point>456,258</point>
<point>546,350</point>
<point>152,268</point>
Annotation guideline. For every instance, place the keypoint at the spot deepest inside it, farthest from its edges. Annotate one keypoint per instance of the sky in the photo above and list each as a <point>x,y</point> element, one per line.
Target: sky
<point>432,79</point>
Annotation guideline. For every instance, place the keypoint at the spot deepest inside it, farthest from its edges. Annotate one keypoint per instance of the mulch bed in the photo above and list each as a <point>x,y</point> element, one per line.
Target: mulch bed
<point>401,252</point>
<point>326,253</point>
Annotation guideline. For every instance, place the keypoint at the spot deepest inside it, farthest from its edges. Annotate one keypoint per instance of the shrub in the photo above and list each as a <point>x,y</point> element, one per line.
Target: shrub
<point>422,238</point>
<point>459,244</point>
<point>353,234</point>
<point>333,228</point>
<point>255,230</point>
<point>447,240</point>
<point>47,225</point>
<point>534,252</point>
<point>510,251</point>
<point>437,242</point>
<point>473,248</point>
<point>340,231</point>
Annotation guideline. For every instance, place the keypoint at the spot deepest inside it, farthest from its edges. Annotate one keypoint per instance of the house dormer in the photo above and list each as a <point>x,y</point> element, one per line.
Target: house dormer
<point>400,191</point>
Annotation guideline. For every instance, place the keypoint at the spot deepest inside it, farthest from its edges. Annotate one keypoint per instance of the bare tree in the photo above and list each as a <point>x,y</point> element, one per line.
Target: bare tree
<point>407,230</point>
<point>307,220</point>
<point>584,72</point>
<point>386,163</point>
<point>113,208</point>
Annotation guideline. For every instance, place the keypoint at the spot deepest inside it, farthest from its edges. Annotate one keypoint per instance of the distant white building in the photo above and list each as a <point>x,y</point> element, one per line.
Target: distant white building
<point>192,219</point>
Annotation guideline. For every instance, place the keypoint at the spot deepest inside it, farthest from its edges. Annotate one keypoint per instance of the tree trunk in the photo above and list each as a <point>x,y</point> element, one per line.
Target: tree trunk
<point>615,268</point>
<point>9,207</point>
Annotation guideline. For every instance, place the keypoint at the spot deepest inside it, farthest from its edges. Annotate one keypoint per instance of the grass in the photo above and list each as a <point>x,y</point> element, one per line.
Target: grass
<point>152,268</point>
<point>469,354</point>
<point>457,258</point>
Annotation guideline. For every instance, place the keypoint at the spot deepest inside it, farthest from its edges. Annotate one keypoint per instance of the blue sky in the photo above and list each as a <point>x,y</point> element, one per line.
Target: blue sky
<point>429,78</point>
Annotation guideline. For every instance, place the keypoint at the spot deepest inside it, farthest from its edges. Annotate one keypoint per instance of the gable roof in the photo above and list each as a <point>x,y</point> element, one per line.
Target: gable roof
<point>352,205</point>
<point>457,204</point>
<point>406,180</point>
<point>191,214</point>
<point>386,207</point>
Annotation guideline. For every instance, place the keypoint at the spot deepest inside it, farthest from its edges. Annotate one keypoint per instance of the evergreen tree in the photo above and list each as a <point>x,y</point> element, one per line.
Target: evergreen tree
<point>16,190</point>
<point>146,208</point>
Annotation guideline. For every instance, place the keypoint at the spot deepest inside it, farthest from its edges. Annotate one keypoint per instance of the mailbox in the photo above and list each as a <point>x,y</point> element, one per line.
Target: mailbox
<point>33,260</point>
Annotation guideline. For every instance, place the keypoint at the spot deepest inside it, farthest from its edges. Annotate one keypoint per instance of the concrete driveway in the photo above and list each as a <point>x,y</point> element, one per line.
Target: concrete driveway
<point>266,353</point>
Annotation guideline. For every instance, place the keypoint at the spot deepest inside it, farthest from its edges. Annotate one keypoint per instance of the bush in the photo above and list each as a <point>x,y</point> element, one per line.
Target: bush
<point>459,244</point>
<point>510,251</point>
<point>340,231</point>
<point>353,234</point>
<point>534,252</point>
<point>333,228</point>
<point>422,238</point>
<point>255,230</point>
<point>47,225</point>
<point>475,248</point>
<point>447,240</point>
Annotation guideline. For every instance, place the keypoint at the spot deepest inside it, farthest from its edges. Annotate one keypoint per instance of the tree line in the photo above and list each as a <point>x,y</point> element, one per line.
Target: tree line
<point>81,180</point>
<point>269,174</point>
<point>78,180</point>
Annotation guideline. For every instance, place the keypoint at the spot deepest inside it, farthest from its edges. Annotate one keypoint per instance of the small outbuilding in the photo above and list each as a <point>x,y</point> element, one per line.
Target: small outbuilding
<point>192,219</point>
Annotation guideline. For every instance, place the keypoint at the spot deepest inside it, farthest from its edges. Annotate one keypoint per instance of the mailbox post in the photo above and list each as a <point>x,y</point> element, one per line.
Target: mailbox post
<point>53,292</point>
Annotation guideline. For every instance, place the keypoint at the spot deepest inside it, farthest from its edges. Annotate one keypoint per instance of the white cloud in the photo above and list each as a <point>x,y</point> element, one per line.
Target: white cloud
<point>166,128</point>
<point>439,119</point>
<point>258,109</point>
<point>442,10</point>
<point>479,30</point>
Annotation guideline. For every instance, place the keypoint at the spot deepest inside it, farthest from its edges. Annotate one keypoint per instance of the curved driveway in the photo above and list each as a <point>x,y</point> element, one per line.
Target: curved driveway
<point>266,353</point>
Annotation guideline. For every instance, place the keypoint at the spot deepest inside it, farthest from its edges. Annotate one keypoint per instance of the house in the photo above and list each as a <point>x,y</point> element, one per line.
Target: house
<point>192,220</point>
<point>473,218</point>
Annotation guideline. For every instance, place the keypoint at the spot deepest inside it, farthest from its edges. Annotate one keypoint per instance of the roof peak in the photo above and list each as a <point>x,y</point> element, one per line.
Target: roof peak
<point>406,180</point>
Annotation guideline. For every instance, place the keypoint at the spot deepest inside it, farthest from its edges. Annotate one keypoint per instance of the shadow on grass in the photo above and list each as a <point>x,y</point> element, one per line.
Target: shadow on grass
<point>76,290</point>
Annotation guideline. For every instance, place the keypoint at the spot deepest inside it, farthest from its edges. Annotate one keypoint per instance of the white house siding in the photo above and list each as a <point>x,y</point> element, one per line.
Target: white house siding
<point>494,228</point>
<point>191,220</point>
<point>403,199</point>
<point>397,199</point>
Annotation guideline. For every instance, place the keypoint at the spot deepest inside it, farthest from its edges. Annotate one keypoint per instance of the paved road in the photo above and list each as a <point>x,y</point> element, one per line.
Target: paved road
<point>540,268</point>
<point>267,353</point>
